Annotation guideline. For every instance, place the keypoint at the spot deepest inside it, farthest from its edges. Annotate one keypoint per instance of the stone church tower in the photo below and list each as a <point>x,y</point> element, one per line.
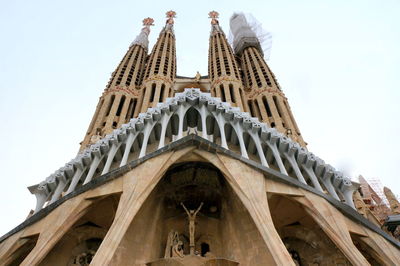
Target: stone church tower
<point>204,170</point>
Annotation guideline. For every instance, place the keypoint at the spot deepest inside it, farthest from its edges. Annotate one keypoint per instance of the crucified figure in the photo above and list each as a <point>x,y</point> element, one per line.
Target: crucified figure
<point>192,217</point>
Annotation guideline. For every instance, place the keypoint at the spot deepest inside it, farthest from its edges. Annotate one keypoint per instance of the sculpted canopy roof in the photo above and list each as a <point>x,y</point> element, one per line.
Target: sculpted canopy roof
<point>195,112</point>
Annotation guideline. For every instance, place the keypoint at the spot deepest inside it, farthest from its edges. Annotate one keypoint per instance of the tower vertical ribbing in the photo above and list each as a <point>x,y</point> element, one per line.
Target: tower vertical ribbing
<point>222,67</point>
<point>119,101</point>
<point>265,98</point>
<point>161,67</point>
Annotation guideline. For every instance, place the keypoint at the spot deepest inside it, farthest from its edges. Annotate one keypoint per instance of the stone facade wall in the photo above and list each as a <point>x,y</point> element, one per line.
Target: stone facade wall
<point>243,232</point>
<point>241,238</point>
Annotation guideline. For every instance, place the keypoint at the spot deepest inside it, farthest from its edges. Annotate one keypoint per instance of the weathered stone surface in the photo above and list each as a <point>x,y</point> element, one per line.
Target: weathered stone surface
<point>243,231</point>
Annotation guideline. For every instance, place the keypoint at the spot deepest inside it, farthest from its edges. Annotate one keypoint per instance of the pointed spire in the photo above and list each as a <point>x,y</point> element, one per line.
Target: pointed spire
<point>214,15</point>
<point>143,38</point>
<point>393,202</point>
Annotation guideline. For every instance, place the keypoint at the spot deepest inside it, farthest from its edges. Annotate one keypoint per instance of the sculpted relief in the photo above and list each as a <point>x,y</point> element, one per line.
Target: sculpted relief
<point>174,247</point>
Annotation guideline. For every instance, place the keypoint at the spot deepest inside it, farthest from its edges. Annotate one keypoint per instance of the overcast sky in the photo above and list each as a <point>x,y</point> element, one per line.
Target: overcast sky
<point>337,61</point>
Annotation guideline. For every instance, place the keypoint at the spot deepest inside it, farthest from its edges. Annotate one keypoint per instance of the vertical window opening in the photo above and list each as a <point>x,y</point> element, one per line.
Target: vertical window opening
<point>257,109</point>
<point>222,93</point>
<point>130,107</point>
<point>251,108</point>
<point>161,98</point>
<point>266,105</point>
<point>110,105</point>
<point>277,106</point>
<point>153,92</point>
<point>241,97</point>
<point>231,91</point>
<point>133,108</point>
<point>121,105</point>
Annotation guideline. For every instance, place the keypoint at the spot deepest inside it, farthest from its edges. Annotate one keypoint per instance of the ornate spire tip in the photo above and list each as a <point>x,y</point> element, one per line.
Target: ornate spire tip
<point>214,17</point>
<point>170,16</point>
<point>148,22</point>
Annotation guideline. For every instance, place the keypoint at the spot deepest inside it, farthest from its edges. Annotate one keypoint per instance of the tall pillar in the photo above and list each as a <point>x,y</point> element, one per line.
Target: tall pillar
<point>263,94</point>
<point>161,68</point>
<point>222,67</point>
<point>119,101</point>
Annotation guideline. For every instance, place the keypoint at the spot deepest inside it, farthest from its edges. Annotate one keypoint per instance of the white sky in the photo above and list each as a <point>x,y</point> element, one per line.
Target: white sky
<point>337,61</point>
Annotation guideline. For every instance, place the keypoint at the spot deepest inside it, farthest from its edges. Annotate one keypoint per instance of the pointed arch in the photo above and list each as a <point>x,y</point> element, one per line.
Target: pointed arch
<point>20,250</point>
<point>192,119</point>
<point>251,147</point>
<point>154,138</point>
<point>270,157</point>
<point>232,138</point>
<point>135,148</point>
<point>369,253</point>
<point>299,231</point>
<point>84,237</point>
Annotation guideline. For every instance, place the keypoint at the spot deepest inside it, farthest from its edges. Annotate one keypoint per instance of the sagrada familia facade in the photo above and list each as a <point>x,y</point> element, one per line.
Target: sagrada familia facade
<point>204,170</point>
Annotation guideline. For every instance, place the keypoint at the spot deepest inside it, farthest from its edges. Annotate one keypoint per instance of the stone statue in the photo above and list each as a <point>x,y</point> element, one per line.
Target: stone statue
<point>172,241</point>
<point>97,137</point>
<point>177,249</point>
<point>84,258</point>
<point>197,77</point>
<point>192,217</point>
<point>359,204</point>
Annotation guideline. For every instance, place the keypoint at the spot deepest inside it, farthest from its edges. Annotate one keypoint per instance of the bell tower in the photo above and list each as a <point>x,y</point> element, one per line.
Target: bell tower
<point>222,67</point>
<point>161,67</point>
<point>265,98</point>
<point>119,101</point>
<point>169,174</point>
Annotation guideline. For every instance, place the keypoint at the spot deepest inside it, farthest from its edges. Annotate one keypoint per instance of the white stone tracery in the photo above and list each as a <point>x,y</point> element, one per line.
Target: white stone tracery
<point>171,121</point>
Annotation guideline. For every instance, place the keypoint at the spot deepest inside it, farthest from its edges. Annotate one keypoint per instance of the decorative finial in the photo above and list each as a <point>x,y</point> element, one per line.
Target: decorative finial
<point>214,17</point>
<point>142,38</point>
<point>170,17</point>
<point>148,22</point>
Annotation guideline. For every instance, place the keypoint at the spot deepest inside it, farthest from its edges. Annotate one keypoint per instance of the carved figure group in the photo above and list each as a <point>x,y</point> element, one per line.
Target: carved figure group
<point>174,246</point>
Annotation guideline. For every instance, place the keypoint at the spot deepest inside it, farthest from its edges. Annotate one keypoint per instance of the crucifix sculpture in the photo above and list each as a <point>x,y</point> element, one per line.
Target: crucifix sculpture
<point>191,217</point>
